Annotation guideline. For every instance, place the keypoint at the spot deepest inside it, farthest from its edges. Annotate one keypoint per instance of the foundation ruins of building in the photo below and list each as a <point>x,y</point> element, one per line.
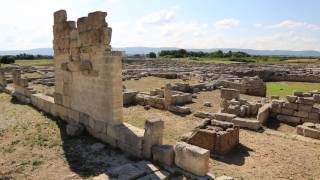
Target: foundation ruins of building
<point>89,94</point>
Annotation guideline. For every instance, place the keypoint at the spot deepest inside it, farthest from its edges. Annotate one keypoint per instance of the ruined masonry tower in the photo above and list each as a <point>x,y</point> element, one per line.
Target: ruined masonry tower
<point>88,73</point>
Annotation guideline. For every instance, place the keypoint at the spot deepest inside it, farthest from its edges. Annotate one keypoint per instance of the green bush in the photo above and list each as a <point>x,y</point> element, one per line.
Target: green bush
<point>7,60</point>
<point>152,55</point>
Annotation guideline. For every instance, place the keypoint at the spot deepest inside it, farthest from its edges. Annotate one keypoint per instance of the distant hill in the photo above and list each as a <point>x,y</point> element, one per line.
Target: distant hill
<point>41,51</point>
<point>145,50</point>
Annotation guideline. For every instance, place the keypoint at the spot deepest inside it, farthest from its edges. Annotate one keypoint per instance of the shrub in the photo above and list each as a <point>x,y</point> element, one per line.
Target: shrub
<point>7,60</point>
<point>152,55</point>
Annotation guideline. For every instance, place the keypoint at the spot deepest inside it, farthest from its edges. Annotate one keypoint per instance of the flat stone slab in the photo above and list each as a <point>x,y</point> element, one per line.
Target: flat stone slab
<point>126,172</point>
<point>247,123</point>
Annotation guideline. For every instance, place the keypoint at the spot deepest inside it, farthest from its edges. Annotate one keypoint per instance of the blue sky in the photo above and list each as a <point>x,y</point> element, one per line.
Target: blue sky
<point>256,24</point>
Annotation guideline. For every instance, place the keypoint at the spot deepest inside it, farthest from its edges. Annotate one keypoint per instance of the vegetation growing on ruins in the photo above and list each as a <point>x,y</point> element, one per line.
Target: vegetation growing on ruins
<point>283,89</point>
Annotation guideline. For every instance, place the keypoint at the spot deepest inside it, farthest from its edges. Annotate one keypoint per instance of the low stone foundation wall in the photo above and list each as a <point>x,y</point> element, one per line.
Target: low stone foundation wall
<point>309,130</point>
<point>216,136</point>
<point>296,110</point>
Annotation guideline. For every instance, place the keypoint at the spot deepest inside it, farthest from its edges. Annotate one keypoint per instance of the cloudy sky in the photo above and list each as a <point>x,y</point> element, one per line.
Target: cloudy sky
<point>256,24</point>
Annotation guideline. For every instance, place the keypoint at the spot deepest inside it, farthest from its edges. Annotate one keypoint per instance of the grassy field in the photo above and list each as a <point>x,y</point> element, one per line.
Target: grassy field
<point>262,60</point>
<point>36,62</point>
<point>286,88</point>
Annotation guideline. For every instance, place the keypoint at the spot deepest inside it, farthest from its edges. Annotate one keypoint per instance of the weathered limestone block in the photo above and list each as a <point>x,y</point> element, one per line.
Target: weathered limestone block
<point>302,114</point>
<point>264,113</point>
<point>179,109</point>
<point>292,99</point>
<point>203,115</point>
<point>230,94</point>
<point>130,139</point>
<point>298,93</point>
<point>163,154</point>
<point>289,119</point>
<point>316,98</point>
<point>224,116</point>
<point>287,111</point>
<point>276,106</point>
<point>129,97</point>
<point>60,16</point>
<point>152,135</point>
<point>306,108</point>
<point>304,100</point>
<point>290,106</point>
<point>126,172</point>
<point>314,117</point>
<point>247,123</point>
<point>192,158</point>
<point>309,130</point>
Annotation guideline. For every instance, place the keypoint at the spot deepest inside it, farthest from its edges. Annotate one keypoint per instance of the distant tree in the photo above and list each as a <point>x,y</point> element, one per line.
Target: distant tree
<point>152,55</point>
<point>7,60</point>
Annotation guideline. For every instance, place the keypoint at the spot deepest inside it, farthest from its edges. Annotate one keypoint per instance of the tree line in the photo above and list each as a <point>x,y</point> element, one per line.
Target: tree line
<point>9,59</point>
<point>181,53</point>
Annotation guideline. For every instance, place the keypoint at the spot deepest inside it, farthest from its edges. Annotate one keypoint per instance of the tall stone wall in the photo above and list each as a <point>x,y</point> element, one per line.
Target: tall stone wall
<point>88,74</point>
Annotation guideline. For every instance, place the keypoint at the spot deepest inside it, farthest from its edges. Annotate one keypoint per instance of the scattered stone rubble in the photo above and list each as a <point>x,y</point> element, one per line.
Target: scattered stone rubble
<point>164,98</point>
<point>232,104</point>
<point>213,71</point>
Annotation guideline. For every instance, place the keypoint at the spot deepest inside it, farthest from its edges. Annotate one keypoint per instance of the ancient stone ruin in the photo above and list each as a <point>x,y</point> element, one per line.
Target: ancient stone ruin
<point>218,137</point>
<point>89,95</point>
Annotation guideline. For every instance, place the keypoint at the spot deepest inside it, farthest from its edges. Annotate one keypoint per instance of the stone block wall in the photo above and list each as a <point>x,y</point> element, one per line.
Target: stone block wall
<point>88,84</point>
<point>309,130</point>
<point>247,85</point>
<point>253,86</point>
<point>296,110</point>
<point>88,73</point>
<point>22,91</point>
<point>218,137</point>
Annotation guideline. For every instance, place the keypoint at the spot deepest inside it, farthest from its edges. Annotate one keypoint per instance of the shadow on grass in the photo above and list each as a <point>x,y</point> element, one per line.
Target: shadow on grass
<point>236,156</point>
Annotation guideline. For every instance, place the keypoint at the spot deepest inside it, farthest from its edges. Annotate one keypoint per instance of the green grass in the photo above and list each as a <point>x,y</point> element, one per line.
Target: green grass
<point>36,62</point>
<point>261,60</point>
<point>283,89</point>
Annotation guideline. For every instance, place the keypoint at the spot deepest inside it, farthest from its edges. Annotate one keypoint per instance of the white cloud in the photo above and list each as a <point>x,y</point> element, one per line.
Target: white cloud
<point>159,17</point>
<point>226,23</point>
<point>24,28</point>
<point>290,24</point>
<point>258,25</point>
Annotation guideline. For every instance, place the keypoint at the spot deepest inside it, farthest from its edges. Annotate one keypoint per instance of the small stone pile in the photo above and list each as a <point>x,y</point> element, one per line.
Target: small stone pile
<point>232,104</point>
<point>218,137</point>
